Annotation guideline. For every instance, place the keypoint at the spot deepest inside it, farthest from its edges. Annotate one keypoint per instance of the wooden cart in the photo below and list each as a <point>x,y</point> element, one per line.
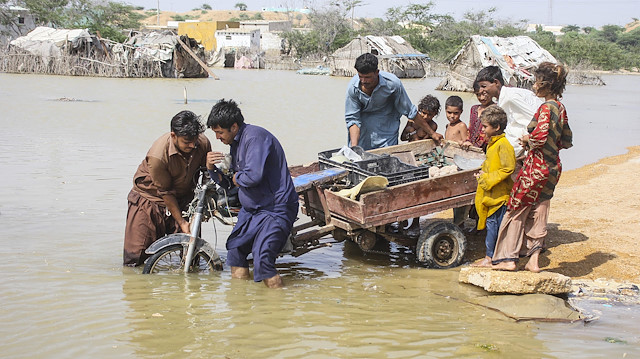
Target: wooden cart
<point>439,244</point>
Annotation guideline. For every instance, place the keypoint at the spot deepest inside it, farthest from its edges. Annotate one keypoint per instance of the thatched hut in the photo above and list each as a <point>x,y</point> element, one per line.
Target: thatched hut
<point>76,52</point>
<point>516,56</point>
<point>395,55</point>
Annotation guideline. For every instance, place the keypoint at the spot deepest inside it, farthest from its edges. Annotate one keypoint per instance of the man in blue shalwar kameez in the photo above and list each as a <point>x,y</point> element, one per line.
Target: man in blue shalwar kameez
<point>266,192</point>
<point>375,102</point>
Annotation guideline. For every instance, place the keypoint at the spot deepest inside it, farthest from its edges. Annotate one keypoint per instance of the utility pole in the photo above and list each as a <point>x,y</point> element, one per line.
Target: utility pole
<point>158,14</point>
<point>550,13</point>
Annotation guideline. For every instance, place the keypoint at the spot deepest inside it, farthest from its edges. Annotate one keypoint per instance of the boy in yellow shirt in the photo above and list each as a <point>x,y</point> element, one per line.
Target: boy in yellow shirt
<point>494,179</point>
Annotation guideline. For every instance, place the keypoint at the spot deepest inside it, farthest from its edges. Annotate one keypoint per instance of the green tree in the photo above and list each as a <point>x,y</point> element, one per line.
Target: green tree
<point>570,28</point>
<point>610,32</point>
<point>206,6</point>
<point>107,17</point>
<point>241,6</point>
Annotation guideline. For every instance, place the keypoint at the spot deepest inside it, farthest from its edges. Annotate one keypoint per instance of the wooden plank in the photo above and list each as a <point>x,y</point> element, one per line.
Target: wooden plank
<point>195,57</point>
<point>313,234</point>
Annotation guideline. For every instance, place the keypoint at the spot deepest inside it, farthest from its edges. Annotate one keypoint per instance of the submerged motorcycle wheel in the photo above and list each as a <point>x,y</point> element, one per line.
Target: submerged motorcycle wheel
<point>170,260</point>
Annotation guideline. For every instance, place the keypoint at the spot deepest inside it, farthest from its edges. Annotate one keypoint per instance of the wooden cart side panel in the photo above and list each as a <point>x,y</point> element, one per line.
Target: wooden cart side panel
<point>419,210</point>
<point>345,207</point>
<point>419,192</point>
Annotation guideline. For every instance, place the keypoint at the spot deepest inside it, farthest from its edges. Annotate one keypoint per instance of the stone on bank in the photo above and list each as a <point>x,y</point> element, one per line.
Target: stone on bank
<point>520,282</point>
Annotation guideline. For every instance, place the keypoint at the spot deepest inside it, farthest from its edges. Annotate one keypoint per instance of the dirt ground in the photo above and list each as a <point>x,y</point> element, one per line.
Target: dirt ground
<point>594,222</point>
<point>298,19</point>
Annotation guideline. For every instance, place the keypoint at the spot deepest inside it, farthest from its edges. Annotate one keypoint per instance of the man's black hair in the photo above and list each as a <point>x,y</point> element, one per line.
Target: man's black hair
<point>454,101</point>
<point>366,63</point>
<point>224,114</point>
<point>490,74</point>
<point>187,124</point>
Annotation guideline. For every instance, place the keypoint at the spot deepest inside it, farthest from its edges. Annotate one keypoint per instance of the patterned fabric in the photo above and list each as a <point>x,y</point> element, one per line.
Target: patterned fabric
<point>476,136</point>
<point>549,132</point>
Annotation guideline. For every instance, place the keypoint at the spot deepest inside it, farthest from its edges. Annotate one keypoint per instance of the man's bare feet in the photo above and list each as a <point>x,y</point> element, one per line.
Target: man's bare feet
<point>274,282</point>
<point>506,265</point>
<point>240,272</point>
<point>482,263</point>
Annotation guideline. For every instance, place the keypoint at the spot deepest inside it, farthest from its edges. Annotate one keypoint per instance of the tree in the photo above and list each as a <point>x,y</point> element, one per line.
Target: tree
<point>107,17</point>
<point>206,6</point>
<point>570,28</point>
<point>241,6</point>
<point>350,5</point>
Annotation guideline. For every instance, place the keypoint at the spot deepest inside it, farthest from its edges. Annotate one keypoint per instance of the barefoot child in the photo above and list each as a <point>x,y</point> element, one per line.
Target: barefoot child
<point>456,129</point>
<point>428,108</point>
<point>494,179</point>
<point>525,225</point>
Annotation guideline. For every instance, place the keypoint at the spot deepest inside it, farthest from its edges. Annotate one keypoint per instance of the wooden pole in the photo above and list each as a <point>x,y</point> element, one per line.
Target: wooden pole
<point>204,66</point>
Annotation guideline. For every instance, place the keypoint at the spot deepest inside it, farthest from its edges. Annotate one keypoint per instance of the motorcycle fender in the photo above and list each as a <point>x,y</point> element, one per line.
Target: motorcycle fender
<point>177,238</point>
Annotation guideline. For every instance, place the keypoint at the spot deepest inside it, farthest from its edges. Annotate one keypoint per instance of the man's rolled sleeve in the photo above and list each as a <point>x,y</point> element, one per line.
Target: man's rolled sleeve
<point>352,108</point>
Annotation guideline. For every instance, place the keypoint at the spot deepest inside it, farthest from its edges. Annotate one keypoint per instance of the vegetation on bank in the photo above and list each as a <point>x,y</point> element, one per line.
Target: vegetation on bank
<point>439,36</point>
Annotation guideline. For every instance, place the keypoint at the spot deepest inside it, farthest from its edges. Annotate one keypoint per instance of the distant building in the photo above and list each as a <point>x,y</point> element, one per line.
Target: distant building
<point>21,23</point>
<point>238,38</point>
<point>284,9</point>
<point>271,43</point>
<point>555,29</point>
<point>204,31</point>
<point>267,25</point>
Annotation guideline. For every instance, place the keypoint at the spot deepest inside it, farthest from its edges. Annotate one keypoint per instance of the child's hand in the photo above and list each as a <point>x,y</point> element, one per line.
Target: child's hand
<point>478,174</point>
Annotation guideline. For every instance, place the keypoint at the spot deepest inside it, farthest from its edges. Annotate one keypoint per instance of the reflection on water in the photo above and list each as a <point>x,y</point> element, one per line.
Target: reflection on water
<point>66,170</point>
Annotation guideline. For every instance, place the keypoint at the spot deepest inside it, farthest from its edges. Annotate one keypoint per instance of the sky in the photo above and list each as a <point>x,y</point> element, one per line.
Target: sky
<point>548,12</point>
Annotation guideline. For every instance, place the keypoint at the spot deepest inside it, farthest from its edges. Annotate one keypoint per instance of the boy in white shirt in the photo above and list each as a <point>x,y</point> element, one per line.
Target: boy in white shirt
<point>519,104</point>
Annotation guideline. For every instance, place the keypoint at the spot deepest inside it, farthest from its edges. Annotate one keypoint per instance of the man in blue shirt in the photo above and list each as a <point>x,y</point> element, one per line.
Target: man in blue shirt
<point>266,192</point>
<point>374,103</point>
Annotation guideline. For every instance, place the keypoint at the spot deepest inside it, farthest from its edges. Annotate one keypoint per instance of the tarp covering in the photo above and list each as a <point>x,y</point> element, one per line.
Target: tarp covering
<point>156,45</point>
<point>47,42</point>
<point>516,56</point>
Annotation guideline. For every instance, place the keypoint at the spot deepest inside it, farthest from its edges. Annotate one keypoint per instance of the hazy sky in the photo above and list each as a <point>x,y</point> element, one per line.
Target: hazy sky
<point>548,12</point>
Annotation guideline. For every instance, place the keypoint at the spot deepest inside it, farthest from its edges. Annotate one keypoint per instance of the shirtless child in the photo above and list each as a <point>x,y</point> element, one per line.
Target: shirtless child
<point>456,129</point>
<point>428,108</point>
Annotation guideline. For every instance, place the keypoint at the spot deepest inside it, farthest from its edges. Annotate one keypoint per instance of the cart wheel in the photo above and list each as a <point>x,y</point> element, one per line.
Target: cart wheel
<point>366,240</point>
<point>441,245</point>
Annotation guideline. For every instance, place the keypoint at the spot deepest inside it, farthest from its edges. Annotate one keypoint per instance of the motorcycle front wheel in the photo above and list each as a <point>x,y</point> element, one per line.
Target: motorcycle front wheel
<point>171,260</point>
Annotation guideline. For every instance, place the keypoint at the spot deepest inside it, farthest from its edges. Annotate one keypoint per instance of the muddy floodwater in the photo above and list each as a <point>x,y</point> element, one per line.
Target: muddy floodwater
<point>69,148</point>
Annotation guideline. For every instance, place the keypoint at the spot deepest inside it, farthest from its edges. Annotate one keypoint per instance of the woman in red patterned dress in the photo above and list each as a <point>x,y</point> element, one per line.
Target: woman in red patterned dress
<point>524,226</point>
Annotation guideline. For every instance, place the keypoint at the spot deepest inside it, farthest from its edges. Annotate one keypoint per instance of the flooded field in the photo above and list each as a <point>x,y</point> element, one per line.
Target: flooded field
<point>70,148</point>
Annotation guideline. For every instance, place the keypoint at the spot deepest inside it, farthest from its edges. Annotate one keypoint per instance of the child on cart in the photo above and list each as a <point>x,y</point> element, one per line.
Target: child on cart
<point>494,179</point>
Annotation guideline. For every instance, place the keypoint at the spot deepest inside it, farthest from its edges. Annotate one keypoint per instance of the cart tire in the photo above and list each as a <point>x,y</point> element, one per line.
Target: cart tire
<point>441,245</point>
<point>366,240</point>
<point>169,260</point>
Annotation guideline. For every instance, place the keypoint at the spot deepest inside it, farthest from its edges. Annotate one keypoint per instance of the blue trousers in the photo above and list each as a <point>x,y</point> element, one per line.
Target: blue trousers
<point>493,225</point>
<point>261,234</point>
